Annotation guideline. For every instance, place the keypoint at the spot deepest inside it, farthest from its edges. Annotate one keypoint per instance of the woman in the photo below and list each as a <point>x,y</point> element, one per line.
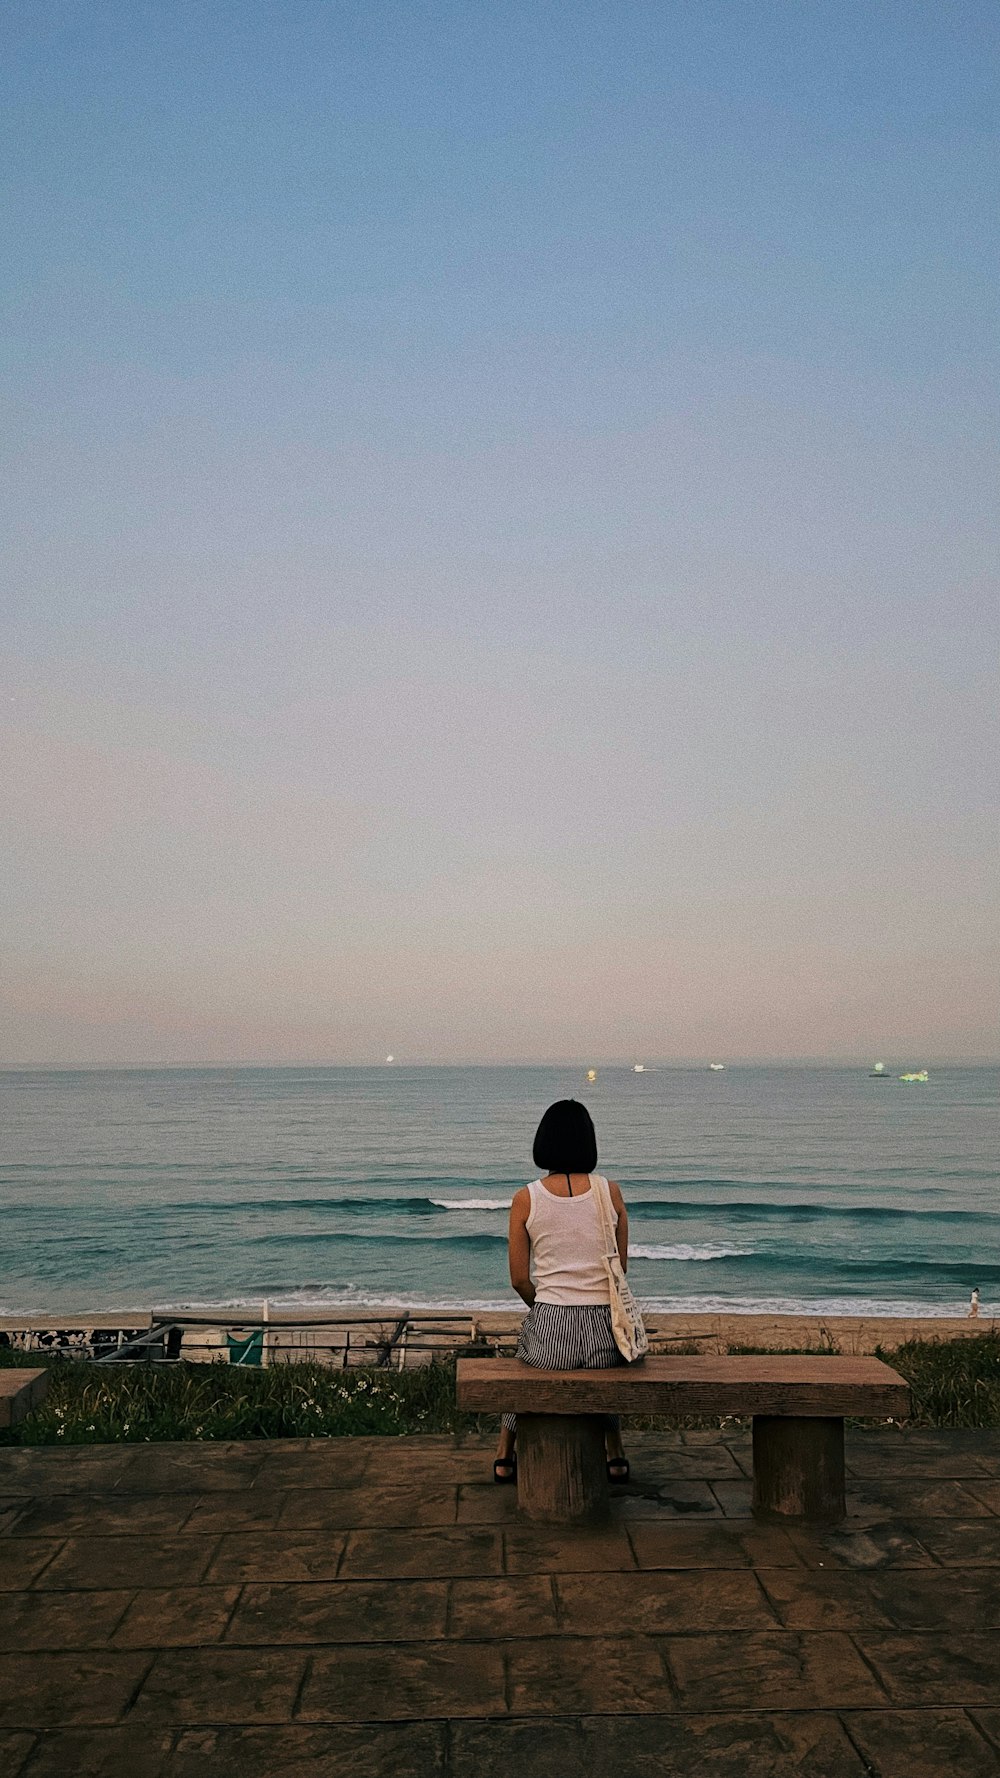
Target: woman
<point>556,1249</point>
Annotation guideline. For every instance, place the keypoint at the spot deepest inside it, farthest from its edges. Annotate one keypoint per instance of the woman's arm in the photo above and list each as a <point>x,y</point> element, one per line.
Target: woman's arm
<point>622,1230</point>
<point>519,1246</point>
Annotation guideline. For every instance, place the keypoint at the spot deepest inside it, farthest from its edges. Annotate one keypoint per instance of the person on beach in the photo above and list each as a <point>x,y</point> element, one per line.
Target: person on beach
<point>556,1251</point>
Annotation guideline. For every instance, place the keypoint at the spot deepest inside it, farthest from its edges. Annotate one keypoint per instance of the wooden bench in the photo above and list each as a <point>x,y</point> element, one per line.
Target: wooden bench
<point>20,1391</point>
<point>797,1404</point>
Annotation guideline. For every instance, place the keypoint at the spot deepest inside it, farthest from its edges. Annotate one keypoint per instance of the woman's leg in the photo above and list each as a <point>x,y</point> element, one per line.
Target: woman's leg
<point>504,1461</point>
<point>508,1431</point>
<point>613,1439</point>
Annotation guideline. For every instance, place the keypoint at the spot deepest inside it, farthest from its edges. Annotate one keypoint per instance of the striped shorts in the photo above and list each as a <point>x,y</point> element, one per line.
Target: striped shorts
<point>568,1337</point>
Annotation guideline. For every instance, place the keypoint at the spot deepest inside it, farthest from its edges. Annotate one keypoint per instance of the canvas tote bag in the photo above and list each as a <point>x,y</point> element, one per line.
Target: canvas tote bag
<point>626,1316</point>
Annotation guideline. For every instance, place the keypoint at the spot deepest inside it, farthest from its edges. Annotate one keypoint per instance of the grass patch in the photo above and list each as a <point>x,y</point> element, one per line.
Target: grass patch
<point>100,1404</point>
<point>954,1383</point>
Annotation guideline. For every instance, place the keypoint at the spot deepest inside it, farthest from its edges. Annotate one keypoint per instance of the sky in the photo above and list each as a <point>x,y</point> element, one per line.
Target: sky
<point>499,514</point>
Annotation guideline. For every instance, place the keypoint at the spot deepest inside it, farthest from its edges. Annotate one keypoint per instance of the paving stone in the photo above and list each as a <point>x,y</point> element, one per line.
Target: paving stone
<point>438,1680</point>
<point>328,1463</point>
<point>932,1441</point>
<point>22,1560</point>
<point>64,1689</point>
<point>59,1620</point>
<point>863,1547</point>
<point>917,1497</point>
<point>429,1468</point>
<point>481,1503</point>
<point>348,1509</point>
<point>341,1611</point>
<point>770,1670</point>
<point>720,1544</point>
<point>543,1549</point>
<point>567,1676</point>
<point>368,1750</point>
<point>176,1617</point>
<point>495,1749</point>
<point>735,1497</point>
<point>706,1463</point>
<point>744,1459</point>
<point>117,1562</point>
<point>902,1463</point>
<point>988,1724</point>
<point>417,1554</point>
<point>784,1745</point>
<point>959,1543</point>
<point>127,1752</point>
<point>14,1750</point>
<point>832,1601</point>
<point>191,1468</point>
<point>922,1744</point>
<point>990,1461</point>
<point>962,1599</point>
<point>987,1492</point>
<point>218,1685</point>
<point>933,1669</point>
<point>41,1469</point>
<point>229,1511</point>
<point>677,1500</point>
<point>512,1606</point>
<point>100,1515</point>
<point>274,1556</point>
<point>662,1602</point>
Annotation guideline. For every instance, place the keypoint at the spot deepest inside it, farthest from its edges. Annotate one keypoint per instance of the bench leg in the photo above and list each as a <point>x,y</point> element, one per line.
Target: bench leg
<point>561,1473</point>
<point>798,1469</point>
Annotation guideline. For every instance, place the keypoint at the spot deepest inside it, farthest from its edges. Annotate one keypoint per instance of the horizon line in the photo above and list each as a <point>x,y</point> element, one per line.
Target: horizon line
<point>399,1064</point>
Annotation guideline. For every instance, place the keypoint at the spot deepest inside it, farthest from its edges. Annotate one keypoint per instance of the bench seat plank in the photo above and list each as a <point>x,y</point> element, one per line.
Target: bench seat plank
<point>799,1387</point>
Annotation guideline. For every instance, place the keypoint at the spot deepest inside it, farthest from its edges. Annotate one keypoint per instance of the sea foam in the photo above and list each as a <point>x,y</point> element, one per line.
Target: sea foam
<point>471,1203</point>
<point>684,1250</point>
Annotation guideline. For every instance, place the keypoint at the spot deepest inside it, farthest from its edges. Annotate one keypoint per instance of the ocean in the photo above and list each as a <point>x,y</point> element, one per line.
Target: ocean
<point>790,1189</point>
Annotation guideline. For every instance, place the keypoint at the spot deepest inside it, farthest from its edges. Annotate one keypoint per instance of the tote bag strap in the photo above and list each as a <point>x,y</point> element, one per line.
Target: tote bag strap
<point>599,1187</point>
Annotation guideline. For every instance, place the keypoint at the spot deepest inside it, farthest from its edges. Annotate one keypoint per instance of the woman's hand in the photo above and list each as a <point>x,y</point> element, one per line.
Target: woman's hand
<point>519,1246</point>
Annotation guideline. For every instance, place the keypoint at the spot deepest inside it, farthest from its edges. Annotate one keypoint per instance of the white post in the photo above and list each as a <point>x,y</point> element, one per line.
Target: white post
<point>264,1359</point>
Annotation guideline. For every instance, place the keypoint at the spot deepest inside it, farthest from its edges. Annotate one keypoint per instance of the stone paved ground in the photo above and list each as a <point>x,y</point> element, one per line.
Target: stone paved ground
<point>365,1607</point>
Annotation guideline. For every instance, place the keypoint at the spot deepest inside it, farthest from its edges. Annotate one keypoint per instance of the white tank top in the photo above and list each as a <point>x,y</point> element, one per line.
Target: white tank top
<point>567,1247</point>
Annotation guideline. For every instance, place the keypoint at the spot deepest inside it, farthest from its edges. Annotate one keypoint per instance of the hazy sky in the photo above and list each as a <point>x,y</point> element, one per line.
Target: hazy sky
<point>500,530</point>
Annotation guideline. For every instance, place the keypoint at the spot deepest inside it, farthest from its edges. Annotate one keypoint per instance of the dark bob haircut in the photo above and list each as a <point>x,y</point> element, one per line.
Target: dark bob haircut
<point>565,1141</point>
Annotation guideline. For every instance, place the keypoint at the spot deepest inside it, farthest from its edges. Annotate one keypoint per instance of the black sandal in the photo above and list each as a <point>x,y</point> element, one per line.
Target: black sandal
<point>505,1463</point>
<point>618,1469</point>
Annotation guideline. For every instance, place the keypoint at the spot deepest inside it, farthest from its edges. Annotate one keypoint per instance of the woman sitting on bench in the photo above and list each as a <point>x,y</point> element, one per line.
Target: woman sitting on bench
<point>556,1247</point>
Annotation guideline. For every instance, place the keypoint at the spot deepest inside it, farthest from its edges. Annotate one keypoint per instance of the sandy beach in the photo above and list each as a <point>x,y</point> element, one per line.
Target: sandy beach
<point>404,1338</point>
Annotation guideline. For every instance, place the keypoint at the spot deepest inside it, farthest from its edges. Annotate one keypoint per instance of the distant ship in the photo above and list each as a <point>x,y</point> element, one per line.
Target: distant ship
<point>638,1067</point>
<point>921,1074</point>
<point>878,1072</point>
<point>591,1075</point>
<point>716,1067</point>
